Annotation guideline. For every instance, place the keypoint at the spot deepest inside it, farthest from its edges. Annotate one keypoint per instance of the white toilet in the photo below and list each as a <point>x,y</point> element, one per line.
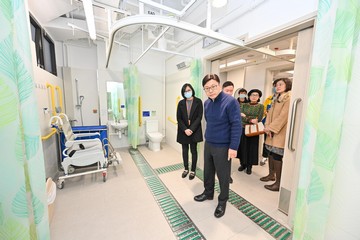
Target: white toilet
<point>153,134</point>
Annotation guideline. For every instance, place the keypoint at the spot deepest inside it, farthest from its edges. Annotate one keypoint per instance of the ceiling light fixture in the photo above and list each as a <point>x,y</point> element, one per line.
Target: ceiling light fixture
<point>236,62</point>
<point>88,8</point>
<point>219,3</point>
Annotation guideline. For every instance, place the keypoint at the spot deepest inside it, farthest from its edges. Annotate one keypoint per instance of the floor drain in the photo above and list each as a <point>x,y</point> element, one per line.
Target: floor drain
<point>270,225</point>
<point>178,220</point>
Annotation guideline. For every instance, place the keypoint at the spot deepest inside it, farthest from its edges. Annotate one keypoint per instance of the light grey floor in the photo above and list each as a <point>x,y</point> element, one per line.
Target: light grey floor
<point>124,208</point>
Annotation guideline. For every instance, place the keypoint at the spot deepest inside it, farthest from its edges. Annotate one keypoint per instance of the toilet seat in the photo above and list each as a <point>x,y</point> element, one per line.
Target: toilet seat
<point>155,135</point>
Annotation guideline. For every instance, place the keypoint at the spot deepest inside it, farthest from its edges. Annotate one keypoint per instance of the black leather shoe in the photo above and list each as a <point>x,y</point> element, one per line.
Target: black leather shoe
<point>185,173</point>
<point>248,171</point>
<point>231,180</point>
<point>192,175</point>
<point>220,211</point>
<point>202,197</point>
<point>241,168</point>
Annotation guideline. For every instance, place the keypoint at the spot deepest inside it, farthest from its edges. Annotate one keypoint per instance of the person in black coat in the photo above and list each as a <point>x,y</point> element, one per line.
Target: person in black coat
<point>189,115</point>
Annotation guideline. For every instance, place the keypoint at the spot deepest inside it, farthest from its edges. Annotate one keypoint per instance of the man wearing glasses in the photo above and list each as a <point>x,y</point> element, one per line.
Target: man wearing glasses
<point>222,138</point>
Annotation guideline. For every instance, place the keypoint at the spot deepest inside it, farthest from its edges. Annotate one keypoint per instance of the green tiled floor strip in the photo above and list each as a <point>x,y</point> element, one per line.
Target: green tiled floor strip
<point>266,222</point>
<point>179,221</point>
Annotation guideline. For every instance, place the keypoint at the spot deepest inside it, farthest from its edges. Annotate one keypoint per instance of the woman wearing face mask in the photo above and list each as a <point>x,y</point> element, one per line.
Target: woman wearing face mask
<point>189,115</point>
<point>252,113</point>
<point>242,96</point>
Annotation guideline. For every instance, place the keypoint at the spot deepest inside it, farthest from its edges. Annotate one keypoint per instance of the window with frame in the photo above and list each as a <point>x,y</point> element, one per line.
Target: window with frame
<point>45,48</point>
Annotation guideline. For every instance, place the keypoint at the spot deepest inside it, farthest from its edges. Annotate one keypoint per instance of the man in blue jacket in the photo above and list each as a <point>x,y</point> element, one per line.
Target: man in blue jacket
<point>222,138</point>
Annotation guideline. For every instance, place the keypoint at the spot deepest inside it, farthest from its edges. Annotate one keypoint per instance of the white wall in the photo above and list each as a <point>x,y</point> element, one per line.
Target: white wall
<point>87,87</point>
<point>237,76</point>
<point>41,78</point>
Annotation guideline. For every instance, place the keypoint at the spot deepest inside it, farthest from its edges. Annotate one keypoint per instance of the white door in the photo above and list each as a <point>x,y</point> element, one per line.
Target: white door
<point>294,138</point>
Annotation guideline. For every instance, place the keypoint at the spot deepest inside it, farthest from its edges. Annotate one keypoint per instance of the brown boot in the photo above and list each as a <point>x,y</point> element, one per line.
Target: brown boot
<point>271,176</point>
<point>276,186</point>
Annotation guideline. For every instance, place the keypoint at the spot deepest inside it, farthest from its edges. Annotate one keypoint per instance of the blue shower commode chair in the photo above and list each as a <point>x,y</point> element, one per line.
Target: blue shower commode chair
<point>80,152</point>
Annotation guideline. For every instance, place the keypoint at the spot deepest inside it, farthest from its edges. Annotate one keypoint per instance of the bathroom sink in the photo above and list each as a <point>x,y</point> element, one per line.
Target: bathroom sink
<point>120,125</point>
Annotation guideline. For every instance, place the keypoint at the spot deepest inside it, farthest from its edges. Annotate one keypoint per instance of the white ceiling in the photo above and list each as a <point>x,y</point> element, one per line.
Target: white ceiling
<point>55,15</point>
<point>64,20</point>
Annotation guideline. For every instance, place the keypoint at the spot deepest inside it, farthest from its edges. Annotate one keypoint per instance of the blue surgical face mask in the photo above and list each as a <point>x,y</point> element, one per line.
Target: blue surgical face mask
<point>242,95</point>
<point>274,90</point>
<point>188,94</point>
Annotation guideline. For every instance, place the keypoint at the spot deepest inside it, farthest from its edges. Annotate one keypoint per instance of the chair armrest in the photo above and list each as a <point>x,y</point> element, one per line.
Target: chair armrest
<point>86,142</point>
<point>86,134</point>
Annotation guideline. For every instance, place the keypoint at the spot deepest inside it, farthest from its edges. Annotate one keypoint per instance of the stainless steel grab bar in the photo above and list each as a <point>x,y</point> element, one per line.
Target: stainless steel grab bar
<point>292,124</point>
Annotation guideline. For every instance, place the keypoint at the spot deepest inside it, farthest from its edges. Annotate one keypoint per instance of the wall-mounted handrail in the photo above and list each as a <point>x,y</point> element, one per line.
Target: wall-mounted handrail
<point>176,104</point>
<point>172,121</point>
<point>52,97</point>
<point>292,124</point>
<point>59,94</point>
<point>140,111</point>
<point>53,131</point>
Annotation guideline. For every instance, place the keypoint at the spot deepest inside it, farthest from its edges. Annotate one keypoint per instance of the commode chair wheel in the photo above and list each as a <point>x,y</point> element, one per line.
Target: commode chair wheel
<point>60,184</point>
<point>71,169</point>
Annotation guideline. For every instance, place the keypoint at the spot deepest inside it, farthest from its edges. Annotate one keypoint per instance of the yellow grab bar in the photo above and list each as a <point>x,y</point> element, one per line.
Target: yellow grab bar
<point>59,93</point>
<point>169,118</point>
<point>53,131</point>
<point>140,115</point>
<point>52,96</point>
<point>172,121</point>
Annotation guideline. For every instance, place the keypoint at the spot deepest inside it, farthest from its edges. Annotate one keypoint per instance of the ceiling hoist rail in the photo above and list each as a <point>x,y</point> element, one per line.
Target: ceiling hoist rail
<point>172,22</point>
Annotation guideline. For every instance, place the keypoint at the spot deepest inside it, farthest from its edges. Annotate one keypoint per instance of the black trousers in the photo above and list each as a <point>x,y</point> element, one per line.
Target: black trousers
<point>185,154</point>
<point>248,151</point>
<point>216,161</point>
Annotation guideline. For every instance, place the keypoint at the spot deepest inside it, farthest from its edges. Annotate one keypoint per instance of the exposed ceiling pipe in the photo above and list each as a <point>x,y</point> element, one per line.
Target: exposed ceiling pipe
<point>141,8</point>
<point>223,21</point>
<point>187,7</point>
<point>167,21</point>
<point>171,52</point>
<point>89,14</point>
<point>109,22</point>
<point>102,5</point>
<point>208,15</point>
<point>152,44</point>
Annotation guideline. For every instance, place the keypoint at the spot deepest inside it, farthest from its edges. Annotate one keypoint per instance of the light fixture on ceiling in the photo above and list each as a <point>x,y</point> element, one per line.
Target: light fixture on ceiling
<point>222,65</point>
<point>88,8</point>
<point>236,62</point>
<point>219,3</point>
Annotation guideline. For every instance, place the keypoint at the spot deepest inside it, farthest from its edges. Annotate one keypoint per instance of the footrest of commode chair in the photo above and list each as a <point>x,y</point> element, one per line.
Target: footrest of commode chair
<point>115,158</point>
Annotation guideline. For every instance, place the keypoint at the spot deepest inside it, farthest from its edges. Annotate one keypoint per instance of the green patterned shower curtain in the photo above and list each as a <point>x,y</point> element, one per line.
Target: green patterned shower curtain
<point>324,186</point>
<point>132,93</point>
<point>23,201</point>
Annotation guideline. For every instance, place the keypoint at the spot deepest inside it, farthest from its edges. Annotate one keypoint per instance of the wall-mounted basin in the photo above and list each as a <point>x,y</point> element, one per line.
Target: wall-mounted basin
<point>120,125</point>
